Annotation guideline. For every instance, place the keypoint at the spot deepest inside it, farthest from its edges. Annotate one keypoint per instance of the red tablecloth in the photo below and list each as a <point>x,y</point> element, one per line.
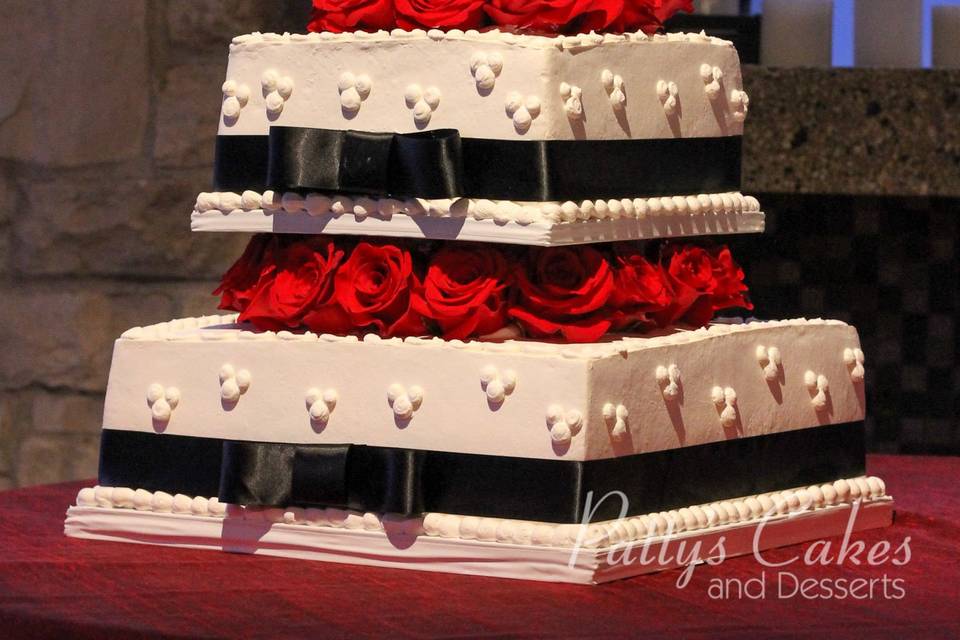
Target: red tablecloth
<point>51,585</point>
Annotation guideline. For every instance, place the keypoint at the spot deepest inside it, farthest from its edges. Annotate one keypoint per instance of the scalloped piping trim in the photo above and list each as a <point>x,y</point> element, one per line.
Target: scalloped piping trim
<point>186,329</point>
<point>500,211</point>
<point>520,532</point>
<point>564,43</point>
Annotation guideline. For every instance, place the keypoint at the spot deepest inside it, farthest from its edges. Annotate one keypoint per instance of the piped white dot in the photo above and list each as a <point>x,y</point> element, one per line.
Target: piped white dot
<point>614,86</point>
<point>404,401</point>
<point>320,404</point>
<point>615,417</point>
<point>725,399</point>
<point>819,388</point>
<point>233,382</point>
<point>522,110</point>
<point>669,95</point>
<point>422,102</point>
<point>496,384</point>
<point>669,380</point>
<point>854,359</point>
<point>162,401</point>
<point>563,423</point>
<point>353,91</point>
<point>770,361</point>
<point>485,68</point>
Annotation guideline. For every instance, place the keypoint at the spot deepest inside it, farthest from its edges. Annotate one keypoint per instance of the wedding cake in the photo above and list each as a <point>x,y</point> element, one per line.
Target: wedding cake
<point>485,323</point>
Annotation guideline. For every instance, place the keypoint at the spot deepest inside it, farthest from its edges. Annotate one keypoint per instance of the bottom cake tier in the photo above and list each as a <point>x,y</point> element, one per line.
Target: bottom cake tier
<point>588,553</point>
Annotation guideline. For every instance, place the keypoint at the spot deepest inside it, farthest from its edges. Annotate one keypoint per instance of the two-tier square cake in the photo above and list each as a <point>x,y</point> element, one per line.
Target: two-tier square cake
<point>480,326</point>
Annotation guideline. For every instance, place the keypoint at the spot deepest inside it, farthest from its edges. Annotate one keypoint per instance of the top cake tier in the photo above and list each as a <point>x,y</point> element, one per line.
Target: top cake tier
<point>488,136</point>
<point>487,85</point>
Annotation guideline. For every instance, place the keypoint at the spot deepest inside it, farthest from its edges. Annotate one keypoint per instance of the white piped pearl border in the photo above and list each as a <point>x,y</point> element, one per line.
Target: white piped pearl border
<point>563,43</point>
<point>841,493</point>
<point>180,328</point>
<point>500,211</point>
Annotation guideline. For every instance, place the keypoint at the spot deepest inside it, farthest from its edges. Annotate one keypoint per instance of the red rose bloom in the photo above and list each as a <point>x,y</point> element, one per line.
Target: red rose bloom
<point>552,16</point>
<point>649,15</point>
<point>439,14</point>
<point>464,291</point>
<point>564,290</point>
<point>351,15</point>
<point>300,281</point>
<point>702,282</point>
<point>376,286</point>
<point>641,288</point>
<point>729,291</point>
<point>239,283</point>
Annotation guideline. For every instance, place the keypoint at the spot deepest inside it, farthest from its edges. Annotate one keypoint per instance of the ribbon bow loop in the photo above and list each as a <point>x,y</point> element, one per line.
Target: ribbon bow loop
<point>339,475</point>
<point>425,164</point>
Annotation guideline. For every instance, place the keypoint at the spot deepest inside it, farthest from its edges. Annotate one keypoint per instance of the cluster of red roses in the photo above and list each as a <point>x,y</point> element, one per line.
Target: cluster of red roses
<point>463,290</point>
<point>535,16</point>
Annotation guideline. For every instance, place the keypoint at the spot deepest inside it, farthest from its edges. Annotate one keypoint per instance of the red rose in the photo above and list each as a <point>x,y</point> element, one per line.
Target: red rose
<point>649,15</point>
<point>439,14</point>
<point>300,281</point>
<point>376,286</point>
<point>239,283</point>
<point>729,290</point>
<point>702,282</point>
<point>464,291</point>
<point>689,272</point>
<point>351,15</point>
<point>564,290</point>
<point>641,288</point>
<point>552,16</point>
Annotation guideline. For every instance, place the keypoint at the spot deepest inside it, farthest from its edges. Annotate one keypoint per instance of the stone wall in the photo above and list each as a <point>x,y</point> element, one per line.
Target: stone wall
<point>107,120</point>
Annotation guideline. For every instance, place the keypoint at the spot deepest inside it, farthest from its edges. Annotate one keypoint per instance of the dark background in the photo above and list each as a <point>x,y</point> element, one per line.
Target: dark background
<point>888,266</point>
<point>107,122</point>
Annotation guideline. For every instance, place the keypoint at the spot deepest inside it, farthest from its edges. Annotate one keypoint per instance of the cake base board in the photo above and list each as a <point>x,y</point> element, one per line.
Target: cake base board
<point>469,557</point>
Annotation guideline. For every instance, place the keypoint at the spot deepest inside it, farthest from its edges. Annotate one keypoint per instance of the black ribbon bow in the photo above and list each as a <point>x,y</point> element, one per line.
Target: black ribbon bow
<point>405,481</point>
<point>440,164</point>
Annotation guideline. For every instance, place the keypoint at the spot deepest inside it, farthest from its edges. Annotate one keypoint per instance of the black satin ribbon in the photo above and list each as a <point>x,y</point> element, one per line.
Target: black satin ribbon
<point>405,481</point>
<point>441,164</point>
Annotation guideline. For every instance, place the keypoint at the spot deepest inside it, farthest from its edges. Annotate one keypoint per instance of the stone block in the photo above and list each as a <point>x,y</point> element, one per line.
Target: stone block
<point>63,337</point>
<point>117,222</point>
<point>66,412</point>
<point>85,459</point>
<point>43,459</point>
<point>75,82</point>
<point>188,108</point>
<point>209,25</point>
<point>8,203</point>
